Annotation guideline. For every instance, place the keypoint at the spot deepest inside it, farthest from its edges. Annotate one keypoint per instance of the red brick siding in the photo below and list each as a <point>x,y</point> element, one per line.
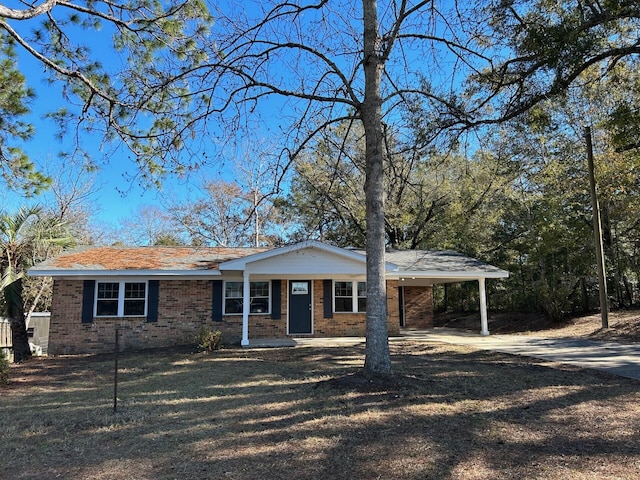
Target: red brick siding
<point>418,307</point>
<point>184,308</point>
<point>393,308</point>
<point>351,324</point>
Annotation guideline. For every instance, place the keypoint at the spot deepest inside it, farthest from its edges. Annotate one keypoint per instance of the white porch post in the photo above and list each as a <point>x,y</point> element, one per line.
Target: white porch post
<point>483,307</point>
<point>246,305</point>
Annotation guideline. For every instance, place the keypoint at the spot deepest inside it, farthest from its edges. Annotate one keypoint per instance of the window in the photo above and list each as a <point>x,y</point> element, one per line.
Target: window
<point>362,296</point>
<point>343,297</point>
<point>259,293</point>
<point>121,299</point>
<point>107,301</point>
<point>350,297</point>
<point>135,295</point>
<point>259,297</point>
<point>233,297</point>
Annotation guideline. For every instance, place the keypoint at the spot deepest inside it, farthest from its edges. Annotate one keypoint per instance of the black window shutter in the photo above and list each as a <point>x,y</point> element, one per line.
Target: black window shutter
<point>88,294</point>
<point>276,300</point>
<point>216,307</point>
<point>327,287</point>
<point>152,307</point>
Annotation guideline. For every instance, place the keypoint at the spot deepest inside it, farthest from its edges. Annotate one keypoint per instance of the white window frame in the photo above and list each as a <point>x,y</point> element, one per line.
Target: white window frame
<point>354,296</point>
<point>225,298</point>
<point>121,299</point>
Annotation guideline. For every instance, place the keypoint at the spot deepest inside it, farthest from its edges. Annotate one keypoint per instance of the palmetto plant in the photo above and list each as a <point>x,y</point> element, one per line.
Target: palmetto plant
<point>26,237</point>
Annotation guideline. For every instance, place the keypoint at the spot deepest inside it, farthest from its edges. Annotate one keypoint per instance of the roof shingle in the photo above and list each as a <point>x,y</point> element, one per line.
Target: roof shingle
<point>145,258</point>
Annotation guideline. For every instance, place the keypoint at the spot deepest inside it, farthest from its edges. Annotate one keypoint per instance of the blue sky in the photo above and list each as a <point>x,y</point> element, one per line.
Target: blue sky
<point>115,177</point>
<point>118,194</point>
<point>44,147</point>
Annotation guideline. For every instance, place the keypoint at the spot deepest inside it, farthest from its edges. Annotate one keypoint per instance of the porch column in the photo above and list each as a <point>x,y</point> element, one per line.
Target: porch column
<point>246,305</point>
<point>483,307</point>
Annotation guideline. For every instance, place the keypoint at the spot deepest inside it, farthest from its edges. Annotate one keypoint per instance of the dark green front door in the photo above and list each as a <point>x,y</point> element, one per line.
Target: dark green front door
<point>300,307</point>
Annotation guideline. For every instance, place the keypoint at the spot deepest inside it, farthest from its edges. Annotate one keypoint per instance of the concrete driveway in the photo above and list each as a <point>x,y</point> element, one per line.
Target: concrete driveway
<point>615,358</point>
<point>611,357</point>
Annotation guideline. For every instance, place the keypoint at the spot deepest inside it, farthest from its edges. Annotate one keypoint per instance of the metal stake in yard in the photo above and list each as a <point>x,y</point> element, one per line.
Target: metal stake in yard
<point>115,377</point>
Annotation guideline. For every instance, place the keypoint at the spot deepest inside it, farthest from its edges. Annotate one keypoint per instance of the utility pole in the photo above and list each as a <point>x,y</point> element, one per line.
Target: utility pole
<point>257,218</point>
<point>597,232</point>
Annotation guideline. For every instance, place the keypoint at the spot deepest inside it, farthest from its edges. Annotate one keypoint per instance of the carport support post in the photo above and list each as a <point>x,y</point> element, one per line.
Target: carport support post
<point>483,307</point>
<point>246,305</point>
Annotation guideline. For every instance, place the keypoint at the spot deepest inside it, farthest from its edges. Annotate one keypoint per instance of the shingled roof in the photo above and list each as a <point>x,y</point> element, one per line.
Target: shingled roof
<point>177,259</point>
<point>199,261</point>
<point>439,261</point>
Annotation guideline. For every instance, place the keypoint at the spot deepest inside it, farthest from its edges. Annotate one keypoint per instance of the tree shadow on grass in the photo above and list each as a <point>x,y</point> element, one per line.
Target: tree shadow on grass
<point>305,413</point>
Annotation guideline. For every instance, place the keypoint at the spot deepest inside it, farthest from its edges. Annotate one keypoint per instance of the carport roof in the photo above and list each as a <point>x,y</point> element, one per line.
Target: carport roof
<point>443,265</point>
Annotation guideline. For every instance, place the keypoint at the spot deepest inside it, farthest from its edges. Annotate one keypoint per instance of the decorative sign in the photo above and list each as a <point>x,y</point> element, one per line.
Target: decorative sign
<point>299,288</point>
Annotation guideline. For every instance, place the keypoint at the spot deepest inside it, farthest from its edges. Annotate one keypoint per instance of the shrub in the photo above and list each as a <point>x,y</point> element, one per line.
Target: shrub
<point>209,340</point>
<point>4,368</point>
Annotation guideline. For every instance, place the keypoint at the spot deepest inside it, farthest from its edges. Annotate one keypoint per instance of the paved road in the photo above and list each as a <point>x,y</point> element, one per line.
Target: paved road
<point>612,357</point>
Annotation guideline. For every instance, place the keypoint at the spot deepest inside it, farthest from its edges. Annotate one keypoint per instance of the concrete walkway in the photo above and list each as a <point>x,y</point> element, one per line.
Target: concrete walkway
<point>621,359</point>
<point>611,357</point>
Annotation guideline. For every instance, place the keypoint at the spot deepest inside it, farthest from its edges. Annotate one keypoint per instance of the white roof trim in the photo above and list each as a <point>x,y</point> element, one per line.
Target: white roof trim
<point>470,275</point>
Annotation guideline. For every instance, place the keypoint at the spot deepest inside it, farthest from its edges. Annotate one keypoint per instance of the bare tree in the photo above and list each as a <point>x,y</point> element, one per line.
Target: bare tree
<point>321,63</point>
<point>71,196</point>
<point>67,205</point>
<point>151,225</point>
<point>221,216</point>
<point>258,177</point>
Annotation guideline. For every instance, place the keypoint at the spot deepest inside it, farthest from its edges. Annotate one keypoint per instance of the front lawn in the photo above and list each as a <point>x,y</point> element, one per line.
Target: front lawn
<point>298,413</point>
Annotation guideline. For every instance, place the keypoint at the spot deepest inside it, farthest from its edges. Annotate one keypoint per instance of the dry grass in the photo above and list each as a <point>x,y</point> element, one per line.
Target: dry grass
<point>302,413</point>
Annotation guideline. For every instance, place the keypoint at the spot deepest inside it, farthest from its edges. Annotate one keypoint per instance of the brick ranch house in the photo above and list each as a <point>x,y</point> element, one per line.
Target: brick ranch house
<point>163,296</point>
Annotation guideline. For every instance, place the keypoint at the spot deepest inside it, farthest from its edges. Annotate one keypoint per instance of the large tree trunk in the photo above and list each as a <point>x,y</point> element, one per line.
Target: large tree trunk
<point>377,356</point>
<point>15,310</point>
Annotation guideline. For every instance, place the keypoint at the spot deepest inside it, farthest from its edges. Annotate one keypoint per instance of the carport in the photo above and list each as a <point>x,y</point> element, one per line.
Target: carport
<point>428,268</point>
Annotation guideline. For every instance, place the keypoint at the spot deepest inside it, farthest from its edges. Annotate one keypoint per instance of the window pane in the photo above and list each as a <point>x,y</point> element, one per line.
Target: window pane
<point>362,304</point>
<point>233,305</point>
<point>233,297</point>
<point>259,289</point>
<point>258,297</point>
<point>362,296</point>
<point>343,289</point>
<point>107,303</point>
<point>233,290</point>
<point>344,304</point>
<point>343,296</point>
<point>134,307</point>
<point>135,290</point>
<point>107,308</point>
<point>259,305</point>
<point>108,290</point>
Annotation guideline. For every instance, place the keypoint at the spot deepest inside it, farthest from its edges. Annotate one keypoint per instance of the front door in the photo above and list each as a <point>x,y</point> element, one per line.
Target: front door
<point>300,307</point>
<point>401,306</point>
